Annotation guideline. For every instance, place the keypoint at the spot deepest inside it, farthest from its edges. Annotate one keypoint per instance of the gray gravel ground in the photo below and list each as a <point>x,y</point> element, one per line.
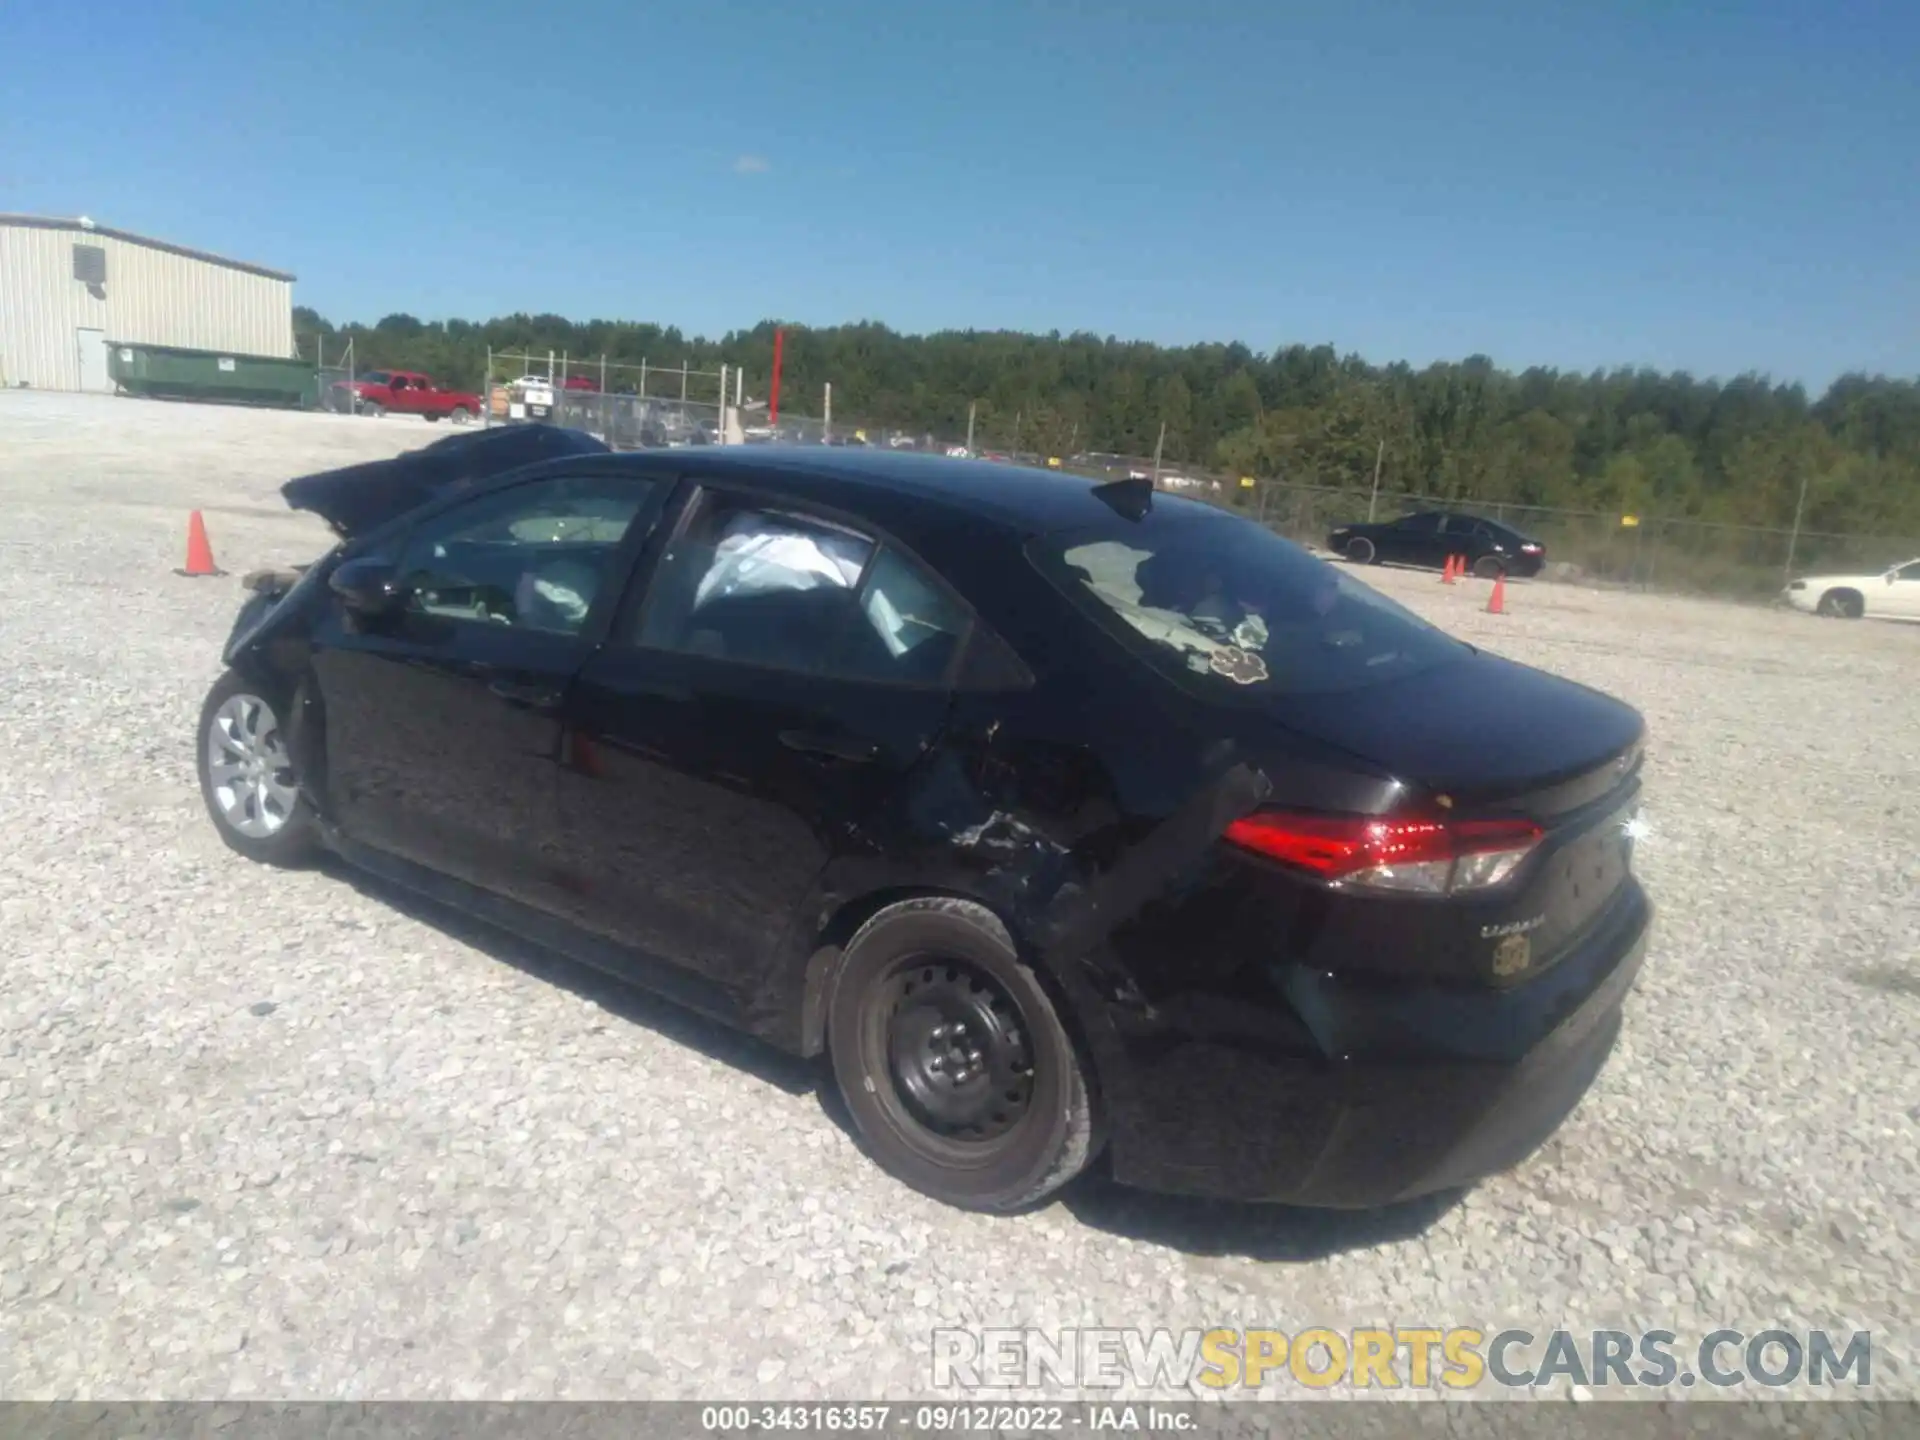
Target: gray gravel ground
<point>295,1136</point>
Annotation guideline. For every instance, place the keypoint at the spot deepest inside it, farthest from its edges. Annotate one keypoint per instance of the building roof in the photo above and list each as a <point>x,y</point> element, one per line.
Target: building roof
<point>54,222</point>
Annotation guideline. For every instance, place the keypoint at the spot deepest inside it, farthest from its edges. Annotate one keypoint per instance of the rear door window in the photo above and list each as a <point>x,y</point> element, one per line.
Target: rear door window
<point>1232,610</point>
<point>910,628</point>
<point>758,584</point>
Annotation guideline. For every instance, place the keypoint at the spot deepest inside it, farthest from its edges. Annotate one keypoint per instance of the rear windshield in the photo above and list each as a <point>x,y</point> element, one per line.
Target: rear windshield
<point>1230,609</point>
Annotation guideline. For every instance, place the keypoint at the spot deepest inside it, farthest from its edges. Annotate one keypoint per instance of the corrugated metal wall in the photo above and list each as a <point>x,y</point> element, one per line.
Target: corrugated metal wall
<point>151,297</point>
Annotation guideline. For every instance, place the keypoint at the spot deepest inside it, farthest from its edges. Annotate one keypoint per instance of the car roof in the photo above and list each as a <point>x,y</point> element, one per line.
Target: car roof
<point>1487,520</point>
<point>1020,497</point>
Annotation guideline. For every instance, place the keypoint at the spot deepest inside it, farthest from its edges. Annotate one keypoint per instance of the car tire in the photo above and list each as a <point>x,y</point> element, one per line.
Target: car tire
<point>369,408</point>
<point>1360,550</point>
<point>933,988</point>
<point>1841,605</point>
<point>254,798</point>
<point>462,415</point>
<point>1489,566</point>
<point>430,419</point>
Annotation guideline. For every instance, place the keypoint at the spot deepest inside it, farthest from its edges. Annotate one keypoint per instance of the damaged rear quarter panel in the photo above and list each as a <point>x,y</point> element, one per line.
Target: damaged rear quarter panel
<point>1068,831</point>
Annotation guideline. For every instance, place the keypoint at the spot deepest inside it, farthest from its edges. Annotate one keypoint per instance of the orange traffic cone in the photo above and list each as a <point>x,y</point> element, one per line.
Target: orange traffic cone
<point>1447,571</point>
<point>1497,602</point>
<point>199,551</point>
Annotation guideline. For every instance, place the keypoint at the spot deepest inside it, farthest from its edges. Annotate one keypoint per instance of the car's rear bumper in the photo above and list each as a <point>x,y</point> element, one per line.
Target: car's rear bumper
<point>1414,1092</point>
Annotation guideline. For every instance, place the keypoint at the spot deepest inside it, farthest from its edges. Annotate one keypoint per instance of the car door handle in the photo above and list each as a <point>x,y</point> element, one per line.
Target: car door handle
<point>534,696</point>
<point>830,747</point>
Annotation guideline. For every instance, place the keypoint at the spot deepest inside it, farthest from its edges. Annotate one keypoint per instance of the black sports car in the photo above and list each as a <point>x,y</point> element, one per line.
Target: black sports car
<point>1065,818</point>
<point>1433,537</point>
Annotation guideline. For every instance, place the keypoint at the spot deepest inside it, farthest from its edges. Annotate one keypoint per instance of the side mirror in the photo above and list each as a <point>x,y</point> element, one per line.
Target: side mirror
<point>368,587</point>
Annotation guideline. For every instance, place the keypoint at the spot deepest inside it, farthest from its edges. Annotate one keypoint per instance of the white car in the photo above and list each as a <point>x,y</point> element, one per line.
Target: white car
<point>1892,594</point>
<point>534,393</point>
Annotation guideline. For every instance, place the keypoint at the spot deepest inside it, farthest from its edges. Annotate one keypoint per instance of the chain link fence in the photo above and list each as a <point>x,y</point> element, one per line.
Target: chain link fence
<point>1643,552</point>
<point>336,389</point>
<point>630,407</point>
<point>647,406</point>
<point>791,428</point>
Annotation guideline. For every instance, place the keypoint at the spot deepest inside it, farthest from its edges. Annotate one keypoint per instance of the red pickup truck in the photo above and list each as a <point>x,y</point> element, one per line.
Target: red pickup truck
<point>406,392</point>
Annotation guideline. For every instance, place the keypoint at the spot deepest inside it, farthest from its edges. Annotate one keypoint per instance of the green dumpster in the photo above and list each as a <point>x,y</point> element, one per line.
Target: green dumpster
<point>172,373</point>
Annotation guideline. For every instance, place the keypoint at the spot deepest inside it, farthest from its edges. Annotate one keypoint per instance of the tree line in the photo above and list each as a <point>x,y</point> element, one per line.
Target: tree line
<point>1667,445</point>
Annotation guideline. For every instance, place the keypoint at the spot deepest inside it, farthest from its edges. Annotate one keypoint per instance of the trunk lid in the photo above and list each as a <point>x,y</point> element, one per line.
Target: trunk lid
<point>1498,739</point>
<point>1482,730</point>
<point>358,498</point>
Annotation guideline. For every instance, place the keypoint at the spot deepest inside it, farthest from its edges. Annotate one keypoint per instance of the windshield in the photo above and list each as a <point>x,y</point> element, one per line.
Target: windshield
<point>376,377</point>
<point>1229,608</point>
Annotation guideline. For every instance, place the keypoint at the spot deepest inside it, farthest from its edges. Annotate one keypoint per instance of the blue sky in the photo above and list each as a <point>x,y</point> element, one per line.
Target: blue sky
<point>1691,184</point>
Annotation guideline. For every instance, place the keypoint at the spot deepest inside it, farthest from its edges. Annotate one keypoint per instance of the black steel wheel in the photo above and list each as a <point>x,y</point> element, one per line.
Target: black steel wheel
<point>957,1052</point>
<point>1488,566</point>
<point>1360,550</point>
<point>952,1059</point>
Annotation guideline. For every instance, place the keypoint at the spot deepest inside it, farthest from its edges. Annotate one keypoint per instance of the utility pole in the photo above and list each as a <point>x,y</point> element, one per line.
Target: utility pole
<point>1793,540</point>
<point>826,413</point>
<point>1158,446</point>
<point>972,405</point>
<point>1374,499</point>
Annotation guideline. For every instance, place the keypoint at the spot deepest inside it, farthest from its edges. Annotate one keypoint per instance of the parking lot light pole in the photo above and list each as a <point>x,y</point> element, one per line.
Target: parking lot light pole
<point>773,390</point>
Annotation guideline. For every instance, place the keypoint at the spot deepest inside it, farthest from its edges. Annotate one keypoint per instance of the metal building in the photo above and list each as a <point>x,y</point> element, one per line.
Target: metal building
<point>68,288</point>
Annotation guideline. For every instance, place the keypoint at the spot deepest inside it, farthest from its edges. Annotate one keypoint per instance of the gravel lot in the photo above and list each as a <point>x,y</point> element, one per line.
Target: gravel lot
<point>297,1136</point>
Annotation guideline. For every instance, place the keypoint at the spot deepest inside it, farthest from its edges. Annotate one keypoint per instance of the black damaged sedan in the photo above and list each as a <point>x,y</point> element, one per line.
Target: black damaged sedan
<point>1071,821</point>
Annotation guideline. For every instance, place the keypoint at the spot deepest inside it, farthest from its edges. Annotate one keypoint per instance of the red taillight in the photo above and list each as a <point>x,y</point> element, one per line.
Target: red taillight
<point>1414,856</point>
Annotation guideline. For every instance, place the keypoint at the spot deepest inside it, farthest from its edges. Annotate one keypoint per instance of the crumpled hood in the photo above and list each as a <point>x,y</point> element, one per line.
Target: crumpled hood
<point>359,498</point>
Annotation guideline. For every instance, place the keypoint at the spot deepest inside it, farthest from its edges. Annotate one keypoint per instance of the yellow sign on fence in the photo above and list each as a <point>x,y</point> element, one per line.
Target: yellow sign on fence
<point>1629,521</point>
